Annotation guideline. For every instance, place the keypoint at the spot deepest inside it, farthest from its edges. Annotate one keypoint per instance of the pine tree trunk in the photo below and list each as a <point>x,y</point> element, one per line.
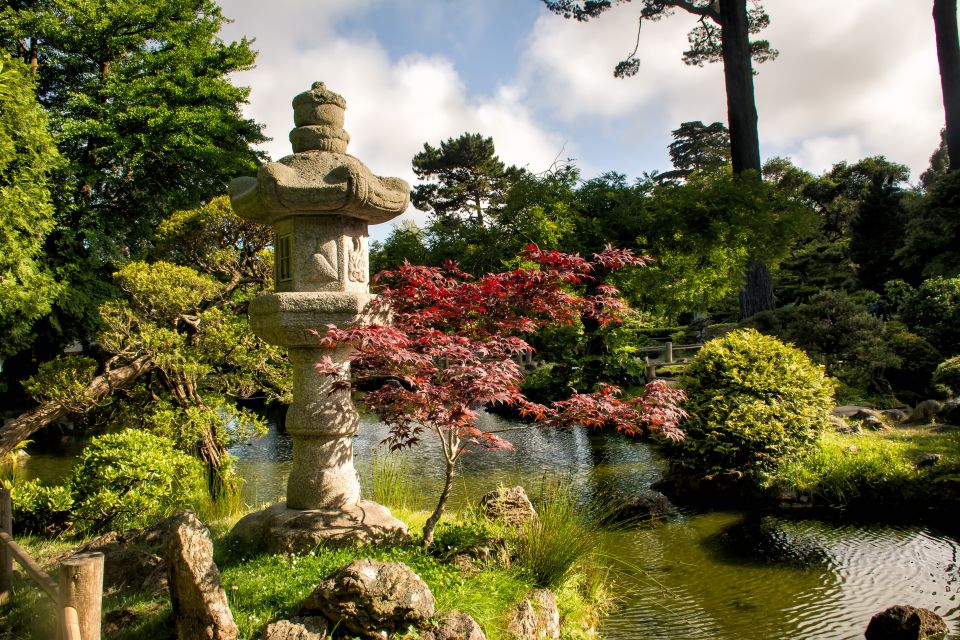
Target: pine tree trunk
<point>738,77</point>
<point>757,292</point>
<point>18,430</point>
<point>948,55</point>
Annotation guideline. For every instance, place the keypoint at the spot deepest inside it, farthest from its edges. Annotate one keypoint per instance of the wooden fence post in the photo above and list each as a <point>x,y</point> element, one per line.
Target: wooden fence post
<point>651,369</point>
<point>6,558</point>
<point>81,588</point>
<point>668,352</point>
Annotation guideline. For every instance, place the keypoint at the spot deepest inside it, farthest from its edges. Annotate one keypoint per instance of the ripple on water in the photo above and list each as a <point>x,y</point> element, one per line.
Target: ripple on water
<point>719,591</point>
<point>716,575</point>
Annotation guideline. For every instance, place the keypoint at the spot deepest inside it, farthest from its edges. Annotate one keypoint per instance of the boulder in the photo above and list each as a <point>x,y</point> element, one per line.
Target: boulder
<point>895,416</point>
<point>925,412</point>
<point>509,504</point>
<point>536,618</point>
<point>372,599</point>
<point>904,622</point>
<point>950,412</point>
<point>131,559</point>
<point>200,609</point>
<point>842,426</point>
<point>871,422</point>
<point>851,411</point>
<point>302,628</point>
<point>278,529</point>
<point>652,505</point>
<point>928,460</point>
<point>456,625</point>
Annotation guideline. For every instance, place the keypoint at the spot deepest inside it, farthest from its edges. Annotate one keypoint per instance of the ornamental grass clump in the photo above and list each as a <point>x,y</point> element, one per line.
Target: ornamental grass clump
<point>562,538</point>
<point>753,402</point>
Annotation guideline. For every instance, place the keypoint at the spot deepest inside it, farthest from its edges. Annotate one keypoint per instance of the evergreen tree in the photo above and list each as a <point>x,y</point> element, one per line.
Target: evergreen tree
<point>140,100</point>
<point>27,158</point>
<point>468,179</point>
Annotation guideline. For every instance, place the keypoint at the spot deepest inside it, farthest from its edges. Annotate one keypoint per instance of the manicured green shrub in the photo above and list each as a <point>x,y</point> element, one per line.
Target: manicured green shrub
<point>947,375</point>
<point>132,478</point>
<point>753,402</point>
<point>41,509</point>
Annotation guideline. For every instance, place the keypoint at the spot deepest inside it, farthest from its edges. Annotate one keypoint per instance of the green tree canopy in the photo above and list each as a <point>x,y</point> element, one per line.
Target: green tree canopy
<point>27,158</point>
<point>467,178</point>
<point>140,99</point>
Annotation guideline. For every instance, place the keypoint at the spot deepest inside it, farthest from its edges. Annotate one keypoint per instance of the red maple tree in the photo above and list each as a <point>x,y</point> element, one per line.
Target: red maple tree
<point>452,344</point>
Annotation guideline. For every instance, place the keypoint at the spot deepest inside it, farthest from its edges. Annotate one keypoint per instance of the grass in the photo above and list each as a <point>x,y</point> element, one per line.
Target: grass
<point>876,468</point>
<point>261,588</point>
<point>563,537</point>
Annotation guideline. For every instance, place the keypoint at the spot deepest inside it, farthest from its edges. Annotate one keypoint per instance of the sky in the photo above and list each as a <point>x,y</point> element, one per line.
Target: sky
<point>854,78</point>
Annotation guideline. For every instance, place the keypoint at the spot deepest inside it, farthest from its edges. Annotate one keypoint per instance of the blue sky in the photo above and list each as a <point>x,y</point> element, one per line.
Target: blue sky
<point>854,78</point>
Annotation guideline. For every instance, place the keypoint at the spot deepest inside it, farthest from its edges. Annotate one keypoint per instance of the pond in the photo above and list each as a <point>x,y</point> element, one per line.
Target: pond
<point>717,575</point>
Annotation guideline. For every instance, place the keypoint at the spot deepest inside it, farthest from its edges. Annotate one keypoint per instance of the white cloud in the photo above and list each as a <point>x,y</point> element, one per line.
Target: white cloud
<point>851,78</point>
<point>393,106</point>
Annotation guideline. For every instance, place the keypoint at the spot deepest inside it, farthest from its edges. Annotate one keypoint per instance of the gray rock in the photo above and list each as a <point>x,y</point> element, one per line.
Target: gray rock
<point>278,529</point>
<point>950,412</point>
<point>536,618</point>
<point>509,504</point>
<point>896,416</point>
<point>928,460</point>
<point>851,411</point>
<point>903,622</point>
<point>456,625</point>
<point>873,423</point>
<point>301,628</point>
<point>132,559</point>
<point>842,426</point>
<point>652,505</point>
<point>200,609</point>
<point>925,412</point>
<point>372,598</point>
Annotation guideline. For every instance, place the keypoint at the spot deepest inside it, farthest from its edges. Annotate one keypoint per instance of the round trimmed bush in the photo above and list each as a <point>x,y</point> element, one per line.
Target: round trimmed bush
<point>132,478</point>
<point>753,401</point>
<point>947,375</point>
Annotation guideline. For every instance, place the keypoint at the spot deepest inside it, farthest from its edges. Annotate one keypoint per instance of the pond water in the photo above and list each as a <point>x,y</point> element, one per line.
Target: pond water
<point>717,575</point>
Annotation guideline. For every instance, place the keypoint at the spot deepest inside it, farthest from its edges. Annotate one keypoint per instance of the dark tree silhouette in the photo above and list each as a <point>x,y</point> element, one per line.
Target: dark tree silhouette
<point>948,56</point>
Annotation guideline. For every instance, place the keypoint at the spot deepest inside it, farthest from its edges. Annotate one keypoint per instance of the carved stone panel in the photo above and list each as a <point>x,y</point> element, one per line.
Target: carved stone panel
<point>321,253</point>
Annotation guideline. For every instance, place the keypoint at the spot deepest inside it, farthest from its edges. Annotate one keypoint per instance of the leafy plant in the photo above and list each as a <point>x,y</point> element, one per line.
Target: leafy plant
<point>452,345</point>
<point>947,375</point>
<point>933,311</point>
<point>753,402</point>
<point>132,478</point>
<point>40,508</point>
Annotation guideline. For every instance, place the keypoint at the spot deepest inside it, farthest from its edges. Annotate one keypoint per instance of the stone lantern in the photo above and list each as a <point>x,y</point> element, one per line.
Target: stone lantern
<point>319,201</point>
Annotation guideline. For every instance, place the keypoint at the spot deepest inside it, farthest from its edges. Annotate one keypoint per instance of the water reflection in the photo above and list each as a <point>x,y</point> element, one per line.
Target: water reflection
<point>723,576</point>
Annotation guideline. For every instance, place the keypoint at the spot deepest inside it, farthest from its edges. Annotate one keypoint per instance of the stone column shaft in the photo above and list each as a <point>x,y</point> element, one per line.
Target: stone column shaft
<point>322,422</point>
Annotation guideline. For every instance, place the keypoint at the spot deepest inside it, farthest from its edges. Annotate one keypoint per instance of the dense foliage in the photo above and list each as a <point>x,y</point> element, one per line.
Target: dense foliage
<point>144,111</point>
<point>121,481</point>
<point>27,158</point>
<point>452,345</point>
<point>752,402</point>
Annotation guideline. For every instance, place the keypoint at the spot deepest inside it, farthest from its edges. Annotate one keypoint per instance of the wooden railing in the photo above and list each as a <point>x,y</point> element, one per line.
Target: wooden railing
<point>668,351</point>
<point>78,596</point>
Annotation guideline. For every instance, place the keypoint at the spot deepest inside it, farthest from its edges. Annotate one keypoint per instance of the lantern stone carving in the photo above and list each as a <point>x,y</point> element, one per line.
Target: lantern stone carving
<point>319,201</point>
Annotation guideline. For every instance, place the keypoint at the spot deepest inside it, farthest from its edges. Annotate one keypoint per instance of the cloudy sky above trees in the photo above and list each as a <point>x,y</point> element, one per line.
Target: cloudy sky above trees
<point>854,78</point>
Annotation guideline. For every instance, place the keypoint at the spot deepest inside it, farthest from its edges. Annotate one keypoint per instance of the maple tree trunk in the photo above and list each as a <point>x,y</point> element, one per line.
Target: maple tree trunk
<point>434,518</point>
<point>99,388</point>
<point>738,78</point>
<point>948,56</point>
